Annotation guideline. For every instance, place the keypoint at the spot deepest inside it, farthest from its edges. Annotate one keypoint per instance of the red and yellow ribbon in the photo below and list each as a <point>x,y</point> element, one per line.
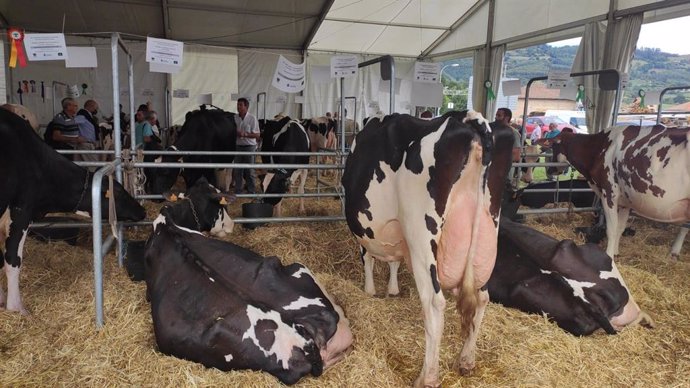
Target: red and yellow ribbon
<point>16,47</point>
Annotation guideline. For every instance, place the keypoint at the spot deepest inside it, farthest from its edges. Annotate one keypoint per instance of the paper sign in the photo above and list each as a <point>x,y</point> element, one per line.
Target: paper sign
<point>569,92</point>
<point>288,77</point>
<point>343,66</point>
<point>155,67</point>
<point>427,94</point>
<point>652,97</point>
<point>181,93</point>
<point>427,72</point>
<point>557,79</point>
<point>625,77</point>
<point>511,87</point>
<point>451,105</point>
<point>205,99</point>
<point>81,57</point>
<point>45,47</point>
<point>164,51</point>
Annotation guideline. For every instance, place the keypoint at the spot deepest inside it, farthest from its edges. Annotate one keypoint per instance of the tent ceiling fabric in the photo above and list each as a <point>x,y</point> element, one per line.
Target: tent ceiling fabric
<point>411,28</point>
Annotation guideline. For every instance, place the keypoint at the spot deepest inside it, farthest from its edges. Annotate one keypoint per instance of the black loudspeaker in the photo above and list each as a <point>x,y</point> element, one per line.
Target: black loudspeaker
<point>608,81</point>
<point>386,67</point>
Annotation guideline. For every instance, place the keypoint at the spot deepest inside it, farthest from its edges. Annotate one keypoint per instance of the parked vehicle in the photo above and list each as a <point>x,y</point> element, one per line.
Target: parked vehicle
<point>574,118</point>
<point>544,122</point>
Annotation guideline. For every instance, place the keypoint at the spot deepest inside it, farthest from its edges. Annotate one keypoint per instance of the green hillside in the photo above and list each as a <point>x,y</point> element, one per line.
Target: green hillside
<point>651,68</point>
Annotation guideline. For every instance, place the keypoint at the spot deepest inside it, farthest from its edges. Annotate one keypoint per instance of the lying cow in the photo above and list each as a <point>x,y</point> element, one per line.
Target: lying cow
<point>226,307</point>
<point>203,130</point>
<point>584,292</point>
<point>644,169</point>
<point>284,135</point>
<point>416,190</point>
<point>36,180</point>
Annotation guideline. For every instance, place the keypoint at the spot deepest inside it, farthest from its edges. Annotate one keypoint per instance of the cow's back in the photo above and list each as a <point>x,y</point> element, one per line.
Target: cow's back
<point>650,166</point>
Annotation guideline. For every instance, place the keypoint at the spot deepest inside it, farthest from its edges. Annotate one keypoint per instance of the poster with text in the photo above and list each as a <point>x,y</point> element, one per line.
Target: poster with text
<point>288,77</point>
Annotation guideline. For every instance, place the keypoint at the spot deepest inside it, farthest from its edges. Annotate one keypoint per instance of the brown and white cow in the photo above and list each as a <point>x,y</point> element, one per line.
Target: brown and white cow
<point>644,169</point>
<point>416,191</point>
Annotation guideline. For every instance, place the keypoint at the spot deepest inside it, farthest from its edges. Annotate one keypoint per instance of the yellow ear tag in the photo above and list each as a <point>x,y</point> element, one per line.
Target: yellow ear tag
<point>223,201</point>
<point>173,198</point>
<point>107,194</point>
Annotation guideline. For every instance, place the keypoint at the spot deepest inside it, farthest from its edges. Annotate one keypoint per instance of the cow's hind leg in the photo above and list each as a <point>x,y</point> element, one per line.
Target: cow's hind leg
<point>368,260</point>
<point>466,360</point>
<point>393,267</point>
<point>611,216</point>
<point>678,243</point>
<point>433,307</point>
<point>623,215</point>
<point>14,247</point>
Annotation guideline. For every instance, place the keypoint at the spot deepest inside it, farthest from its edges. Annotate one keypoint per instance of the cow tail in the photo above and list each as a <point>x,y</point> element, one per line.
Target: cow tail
<point>468,299</point>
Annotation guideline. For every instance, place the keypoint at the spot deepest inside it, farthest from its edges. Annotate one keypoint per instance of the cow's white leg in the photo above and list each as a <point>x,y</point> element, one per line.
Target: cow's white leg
<point>369,287</point>
<point>466,360</point>
<point>302,173</point>
<point>14,249</point>
<point>433,306</point>
<point>623,215</point>
<point>678,243</point>
<point>278,209</point>
<point>393,267</point>
<point>611,215</point>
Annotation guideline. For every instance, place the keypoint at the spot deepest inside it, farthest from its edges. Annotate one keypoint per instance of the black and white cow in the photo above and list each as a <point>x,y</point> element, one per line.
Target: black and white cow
<point>203,130</point>
<point>417,191</point>
<point>644,169</point>
<point>226,307</point>
<point>36,180</point>
<point>574,285</point>
<point>284,135</point>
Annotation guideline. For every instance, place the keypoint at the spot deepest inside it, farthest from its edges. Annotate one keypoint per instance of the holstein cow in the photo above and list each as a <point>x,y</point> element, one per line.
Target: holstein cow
<point>23,112</point>
<point>36,180</point>
<point>284,135</point>
<point>416,190</point>
<point>322,135</point>
<point>574,285</point>
<point>203,130</point>
<point>226,307</point>
<point>633,168</point>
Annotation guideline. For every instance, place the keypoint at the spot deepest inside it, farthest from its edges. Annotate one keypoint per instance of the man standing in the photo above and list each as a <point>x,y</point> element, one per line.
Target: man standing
<point>88,130</point>
<point>247,134</point>
<point>502,119</point>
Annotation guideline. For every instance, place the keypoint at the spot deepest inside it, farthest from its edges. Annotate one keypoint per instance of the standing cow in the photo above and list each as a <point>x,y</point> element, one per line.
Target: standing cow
<point>36,180</point>
<point>203,130</point>
<point>633,168</point>
<point>226,307</point>
<point>416,191</point>
<point>284,135</point>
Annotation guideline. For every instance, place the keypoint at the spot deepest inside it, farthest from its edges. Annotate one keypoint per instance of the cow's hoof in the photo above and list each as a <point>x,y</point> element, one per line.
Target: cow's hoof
<point>419,383</point>
<point>675,256</point>
<point>463,367</point>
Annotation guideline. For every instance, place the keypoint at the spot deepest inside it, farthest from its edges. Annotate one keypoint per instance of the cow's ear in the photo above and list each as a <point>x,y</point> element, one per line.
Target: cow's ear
<point>170,196</point>
<point>223,198</point>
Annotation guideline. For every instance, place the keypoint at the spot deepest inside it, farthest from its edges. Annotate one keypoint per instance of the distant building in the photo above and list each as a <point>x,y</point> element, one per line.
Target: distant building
<point>542,99</point>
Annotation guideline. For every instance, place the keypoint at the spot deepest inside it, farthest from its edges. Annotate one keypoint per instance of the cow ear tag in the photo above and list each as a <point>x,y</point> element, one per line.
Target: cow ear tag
<point>107,194</point>
<point>223,201</point>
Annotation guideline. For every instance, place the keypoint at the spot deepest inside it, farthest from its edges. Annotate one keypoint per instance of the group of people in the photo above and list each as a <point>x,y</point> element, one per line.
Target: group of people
<point>78,129</point>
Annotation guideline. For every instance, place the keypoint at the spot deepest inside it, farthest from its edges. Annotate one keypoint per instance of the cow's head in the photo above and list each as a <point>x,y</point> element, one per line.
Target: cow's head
<point>201,208</point>
<point>276,181</point>
<point>126,207</point>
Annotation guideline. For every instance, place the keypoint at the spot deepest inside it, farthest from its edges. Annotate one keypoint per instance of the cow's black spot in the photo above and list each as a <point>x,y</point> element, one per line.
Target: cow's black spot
<point>380,175</point>
<point>434,278</point>
<point>431,225</point>
<point>413,162</point>
<point>265,332</point>
<point>434,248</point>
<point>369,232</point>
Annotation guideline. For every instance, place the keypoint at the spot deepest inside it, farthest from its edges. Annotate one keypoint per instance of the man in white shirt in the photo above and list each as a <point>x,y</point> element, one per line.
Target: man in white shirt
<point>247,134</point>
<point>536,134</point>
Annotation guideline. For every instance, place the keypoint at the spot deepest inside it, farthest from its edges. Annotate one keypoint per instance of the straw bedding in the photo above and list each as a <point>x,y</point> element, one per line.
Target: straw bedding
<point>58,344</point>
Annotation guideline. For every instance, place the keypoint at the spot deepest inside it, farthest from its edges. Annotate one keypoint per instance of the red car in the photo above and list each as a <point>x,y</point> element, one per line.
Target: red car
<point>544,122</point>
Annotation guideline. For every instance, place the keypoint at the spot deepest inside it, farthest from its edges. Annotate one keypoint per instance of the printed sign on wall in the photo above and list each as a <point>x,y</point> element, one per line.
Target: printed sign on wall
<point>289,77</point>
